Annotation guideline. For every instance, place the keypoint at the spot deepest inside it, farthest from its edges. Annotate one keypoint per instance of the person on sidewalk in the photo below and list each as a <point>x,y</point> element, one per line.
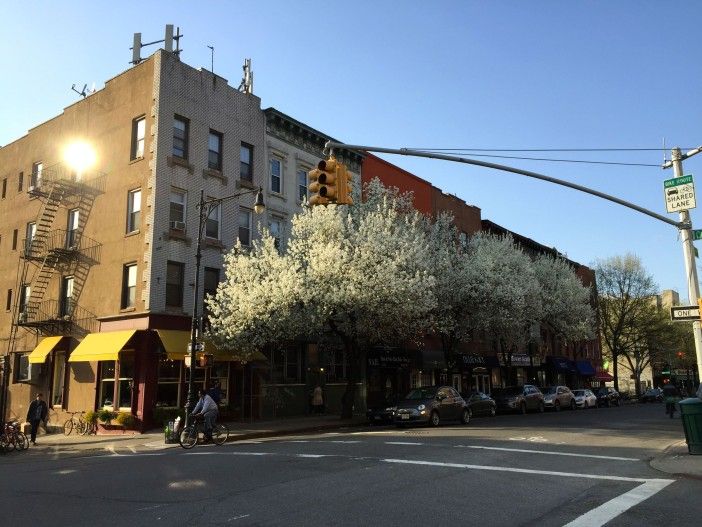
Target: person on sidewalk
<point>38,412</point>
<point>317,400</point>
<point>207,408</point>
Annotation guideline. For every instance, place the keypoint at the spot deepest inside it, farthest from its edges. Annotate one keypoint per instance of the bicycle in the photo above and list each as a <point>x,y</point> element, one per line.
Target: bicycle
<point>191,434</point>
<point>74,422</point>
<point>13,438</point>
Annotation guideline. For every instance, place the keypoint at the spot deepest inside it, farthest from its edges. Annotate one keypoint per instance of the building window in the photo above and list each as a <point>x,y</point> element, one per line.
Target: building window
<point>14,240</point>
<point>25,295</point>
<point>336,366</point>
<point>275,230</point>
<point>214,154</point>
<point>72,229</point>
<point>245,226</point>
<point>129,280</point>
<point>22,367</point>
<point>176,215</point>
<point>8,304</point>
<point>168,389</point>
<point>174,284</point>
<point>126,382</point>
<point>114,389</point>
<point>59,376</point>
<point>213,221</point>
<point>107,384</point>
<point>37,169</point>
<point>4,188</point>
<point>211,282</point>
<point>220,373</point>
<point>66,301</point>
<point>133,210</point>
<point>287,366</point>
<point>246,162</point>
<point>276,169</point>
<point>302,185</point>
<point>20,182</point>
<point>180,137</point>
<point>30,232</point>
<point>138,136</point>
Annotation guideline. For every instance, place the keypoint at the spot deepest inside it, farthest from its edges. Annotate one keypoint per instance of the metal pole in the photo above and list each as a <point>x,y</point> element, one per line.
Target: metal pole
<point>190,404</point>
<point>693,286</point>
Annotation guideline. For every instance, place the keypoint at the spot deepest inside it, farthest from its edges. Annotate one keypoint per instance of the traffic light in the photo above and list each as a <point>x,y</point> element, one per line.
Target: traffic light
<point>330,182</point>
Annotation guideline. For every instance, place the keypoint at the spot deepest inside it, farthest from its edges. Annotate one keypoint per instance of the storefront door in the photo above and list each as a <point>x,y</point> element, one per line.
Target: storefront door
<point>481,383</point>
<point>456,382</point>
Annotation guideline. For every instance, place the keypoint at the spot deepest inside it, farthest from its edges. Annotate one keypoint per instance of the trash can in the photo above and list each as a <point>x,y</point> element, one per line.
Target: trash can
<point>691,413</point>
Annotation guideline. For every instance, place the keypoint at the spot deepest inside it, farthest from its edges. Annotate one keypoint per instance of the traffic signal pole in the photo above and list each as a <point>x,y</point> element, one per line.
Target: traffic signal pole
<point>684,225</point>
<point>693,285</point>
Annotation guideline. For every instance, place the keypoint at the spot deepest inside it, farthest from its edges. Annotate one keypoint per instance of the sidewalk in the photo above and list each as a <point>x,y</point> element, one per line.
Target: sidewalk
<point>677,461</point>
<point>154,439</point>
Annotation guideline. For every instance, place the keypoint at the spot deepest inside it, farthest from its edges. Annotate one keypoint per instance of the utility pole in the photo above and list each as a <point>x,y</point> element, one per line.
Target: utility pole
<point>693,285</point>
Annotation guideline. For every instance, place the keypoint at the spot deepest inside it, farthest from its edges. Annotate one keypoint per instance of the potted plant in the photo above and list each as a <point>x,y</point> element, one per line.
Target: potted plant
<point>126,419</point>
<point>106,416</point>
<point>91,418</point>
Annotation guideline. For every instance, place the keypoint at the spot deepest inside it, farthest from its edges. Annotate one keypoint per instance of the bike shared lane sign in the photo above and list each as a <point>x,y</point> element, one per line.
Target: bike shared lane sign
<point>679,194</point>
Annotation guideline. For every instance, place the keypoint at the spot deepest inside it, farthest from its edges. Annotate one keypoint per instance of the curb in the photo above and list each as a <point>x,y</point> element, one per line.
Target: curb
<point>670,453</point>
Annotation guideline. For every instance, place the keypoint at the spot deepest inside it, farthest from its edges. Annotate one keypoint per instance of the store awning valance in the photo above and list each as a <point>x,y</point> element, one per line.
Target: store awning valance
<point>602,375</point>
<point>46,346</point>
<point>176,342</point>
<point>101,346</point>
<point>585,368</point>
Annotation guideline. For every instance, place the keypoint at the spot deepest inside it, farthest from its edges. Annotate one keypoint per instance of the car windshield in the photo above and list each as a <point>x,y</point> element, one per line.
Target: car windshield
<point>549,390</point>
<point>578,393</point>
<point>507,392</point>
<point>421,393</point>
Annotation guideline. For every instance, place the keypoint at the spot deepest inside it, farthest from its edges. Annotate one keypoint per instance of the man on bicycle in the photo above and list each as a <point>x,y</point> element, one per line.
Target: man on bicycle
<point>207,408</point>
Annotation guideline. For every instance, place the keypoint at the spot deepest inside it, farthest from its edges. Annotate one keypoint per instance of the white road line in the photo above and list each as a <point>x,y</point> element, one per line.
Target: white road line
<point>548,452</point>
<point>343,442</point>
<point>616,506</point>
<point>402,443</point>
<point>314,455</point>
<point>295,441</point>
<point>238,517</point>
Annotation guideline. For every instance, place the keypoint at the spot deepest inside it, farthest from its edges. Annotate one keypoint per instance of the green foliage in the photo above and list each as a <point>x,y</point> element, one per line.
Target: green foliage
<point>125,419</point>
<point>106,416</point>
<point>90,417</point>
<point>163,415</point>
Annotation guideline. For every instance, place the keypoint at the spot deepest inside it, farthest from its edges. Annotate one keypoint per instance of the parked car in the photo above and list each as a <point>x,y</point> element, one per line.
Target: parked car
<point>519,398</point>
<point>584,398</point>
<point>558,397</point>
<point>607,396</point>
<point>652,395</point>
<point>383,412</point>
<point>432,406</point>
<point>480,403</point>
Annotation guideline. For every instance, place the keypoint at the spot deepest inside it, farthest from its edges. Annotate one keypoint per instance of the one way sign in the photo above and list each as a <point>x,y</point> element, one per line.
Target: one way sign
<point>684,313</point>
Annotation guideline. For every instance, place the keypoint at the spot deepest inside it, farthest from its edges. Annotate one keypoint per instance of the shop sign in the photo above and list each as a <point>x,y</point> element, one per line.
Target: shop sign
<point>474,360</point>
<point>388,358</point>
<point>518,359</point>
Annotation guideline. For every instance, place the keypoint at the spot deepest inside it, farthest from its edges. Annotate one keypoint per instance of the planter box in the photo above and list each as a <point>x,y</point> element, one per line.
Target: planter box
<point>103,429</point>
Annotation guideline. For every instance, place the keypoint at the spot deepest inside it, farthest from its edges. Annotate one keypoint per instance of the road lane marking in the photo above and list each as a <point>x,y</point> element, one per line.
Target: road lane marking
<point>622,503</point>
<point>241,516</point>
<point>402,443</point>
<point>343,442</point>
<point>549,452</point>
<point>315,455</point>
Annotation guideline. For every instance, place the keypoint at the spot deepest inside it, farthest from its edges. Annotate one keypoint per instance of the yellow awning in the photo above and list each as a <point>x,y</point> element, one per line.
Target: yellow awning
<point>101,346</point>
<point>176,345</point>
<point>46,346</point>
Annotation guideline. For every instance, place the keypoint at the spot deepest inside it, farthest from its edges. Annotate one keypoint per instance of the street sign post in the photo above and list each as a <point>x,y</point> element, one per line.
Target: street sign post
<point>684,313</point>
<point>679,194</point>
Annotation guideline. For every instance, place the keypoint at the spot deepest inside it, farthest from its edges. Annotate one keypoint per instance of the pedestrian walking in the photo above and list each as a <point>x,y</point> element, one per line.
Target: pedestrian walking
<point>317,400</point>
<point>38,412</point>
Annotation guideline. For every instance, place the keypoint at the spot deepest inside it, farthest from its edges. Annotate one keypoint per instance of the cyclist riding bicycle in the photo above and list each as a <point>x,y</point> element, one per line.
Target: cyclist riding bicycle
<point>207,408</point>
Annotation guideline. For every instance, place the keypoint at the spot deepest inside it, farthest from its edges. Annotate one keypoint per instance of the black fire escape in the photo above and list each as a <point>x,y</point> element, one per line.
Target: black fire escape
<point>65,252</point>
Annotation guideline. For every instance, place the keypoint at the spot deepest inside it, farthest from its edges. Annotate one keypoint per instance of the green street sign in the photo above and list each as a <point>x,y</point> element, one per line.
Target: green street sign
<point>679,193</point>
<point>697,234</point>
<point>684,180</point>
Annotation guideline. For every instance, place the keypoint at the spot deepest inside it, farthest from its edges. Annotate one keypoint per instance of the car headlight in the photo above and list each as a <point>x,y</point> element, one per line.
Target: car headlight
<point>421,407</point>
<point>390,409</point>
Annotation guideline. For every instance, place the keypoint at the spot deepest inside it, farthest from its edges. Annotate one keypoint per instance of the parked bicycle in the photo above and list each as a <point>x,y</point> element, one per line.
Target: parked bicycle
<point>13,438</point>
<point>195,432</point>
<point>75,423</point>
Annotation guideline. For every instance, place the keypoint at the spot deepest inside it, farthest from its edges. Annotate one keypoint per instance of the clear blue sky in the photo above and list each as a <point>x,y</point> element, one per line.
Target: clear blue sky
<point>458,74</point>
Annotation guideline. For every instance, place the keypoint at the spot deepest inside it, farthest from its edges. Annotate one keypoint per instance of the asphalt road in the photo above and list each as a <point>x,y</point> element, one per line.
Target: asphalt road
<point>584,468</point>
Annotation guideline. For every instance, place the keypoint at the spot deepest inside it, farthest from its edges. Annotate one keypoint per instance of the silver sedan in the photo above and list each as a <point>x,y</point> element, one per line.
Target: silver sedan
<point>585,399</point>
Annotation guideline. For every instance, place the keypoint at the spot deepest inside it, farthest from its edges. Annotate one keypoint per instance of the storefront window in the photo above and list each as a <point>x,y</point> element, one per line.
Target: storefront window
<point>220,373</point>
<point>107,383</point>
<point>287,366</point>
<point>58,378</point>
<point>167,393</point>
<point>126,382</point>
<point>496,378</point>
<point>336,366</point>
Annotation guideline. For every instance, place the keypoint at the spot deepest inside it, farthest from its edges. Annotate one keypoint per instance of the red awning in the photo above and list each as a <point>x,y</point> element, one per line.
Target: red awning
<point>602,375</point>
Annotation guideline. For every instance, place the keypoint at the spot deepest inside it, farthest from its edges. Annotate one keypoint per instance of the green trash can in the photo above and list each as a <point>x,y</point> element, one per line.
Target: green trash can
<point>691,413</point>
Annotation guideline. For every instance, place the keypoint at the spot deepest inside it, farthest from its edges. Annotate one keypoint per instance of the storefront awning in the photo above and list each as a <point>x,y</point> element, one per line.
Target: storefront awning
<point>176,342</point>
<point>585,368</point>
<point>561,364</point>
<point>101,346</point>
<point>479,361</point>
<point>46,346</point>
<point>602,375</point>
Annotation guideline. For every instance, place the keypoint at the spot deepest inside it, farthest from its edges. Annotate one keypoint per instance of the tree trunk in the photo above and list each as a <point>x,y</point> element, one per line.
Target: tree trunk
<point>352,359</point>
<point>615,365</point>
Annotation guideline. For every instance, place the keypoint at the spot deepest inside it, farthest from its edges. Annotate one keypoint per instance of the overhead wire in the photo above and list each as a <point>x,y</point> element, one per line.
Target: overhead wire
<point>472,153</point>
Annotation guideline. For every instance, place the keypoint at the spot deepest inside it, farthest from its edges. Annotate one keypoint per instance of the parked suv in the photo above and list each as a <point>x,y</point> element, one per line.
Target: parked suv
<point>519,398</point>
<point>607,396</point>
<point>558,397</point>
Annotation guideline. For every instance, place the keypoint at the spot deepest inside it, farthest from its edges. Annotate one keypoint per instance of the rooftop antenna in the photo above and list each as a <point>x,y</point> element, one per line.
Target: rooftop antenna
<point>665,158</point>
<point>168,44</point>
<point>246,85</point>
<point>82,92</point>
<point>211,58</point>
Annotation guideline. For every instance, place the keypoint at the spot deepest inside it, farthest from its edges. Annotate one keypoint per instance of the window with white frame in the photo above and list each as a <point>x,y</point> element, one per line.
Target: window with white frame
<point>138,136</point>
<point>21,367</point>
<point>246,162</point>
<point>37,169</point>
<point>214,150</point>
<point>302,184</point>
<point>133,210</point>
<point>176,213</point>
<point>72,228</point>
<point>245,226</point>
<point>58,378</point>
<point>30,232</point>
<point>25,295</point>
<point>212,224</point>
<point>180,137</point>
<point>129,282</point>
<point>66,301</point>
<point>276,170</point>
<point>275,228</point>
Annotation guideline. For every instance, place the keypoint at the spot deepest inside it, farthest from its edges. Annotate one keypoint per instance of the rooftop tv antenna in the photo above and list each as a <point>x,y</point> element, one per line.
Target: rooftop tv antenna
<point>246,85</point>
<point>168,44</point>
<point>211,58</point>
<point>83,92</point>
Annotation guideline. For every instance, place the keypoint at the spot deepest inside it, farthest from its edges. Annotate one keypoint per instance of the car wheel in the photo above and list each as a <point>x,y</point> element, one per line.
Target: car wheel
<point>572,404</point>
<point>542,408</point>
<point>434,418</point>
<point>465,416</point>
<point>492,411</point>
<point>608,403</point>
<point>586,405</point>
<point>557,405</point>
<point>522,408</point>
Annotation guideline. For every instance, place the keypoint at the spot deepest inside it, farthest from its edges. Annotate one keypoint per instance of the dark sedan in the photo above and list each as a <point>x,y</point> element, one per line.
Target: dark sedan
<point>519,398</point>
<point>432,406</point>
<point>607,396</point>
<point>480,403</point>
